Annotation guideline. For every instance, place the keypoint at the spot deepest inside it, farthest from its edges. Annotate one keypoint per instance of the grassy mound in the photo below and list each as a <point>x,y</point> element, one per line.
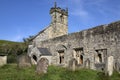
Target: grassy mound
<point>11,72</point>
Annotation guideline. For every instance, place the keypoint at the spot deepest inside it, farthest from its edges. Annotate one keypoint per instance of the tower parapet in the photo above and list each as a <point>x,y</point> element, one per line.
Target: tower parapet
<point>59,10</point>
<point>59,21</point>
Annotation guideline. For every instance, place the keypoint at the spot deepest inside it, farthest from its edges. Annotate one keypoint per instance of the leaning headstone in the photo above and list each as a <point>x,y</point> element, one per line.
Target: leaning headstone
<point>42,66</point>
<point>23,61</point>
<point>73,64</point>
<point>110,64</point>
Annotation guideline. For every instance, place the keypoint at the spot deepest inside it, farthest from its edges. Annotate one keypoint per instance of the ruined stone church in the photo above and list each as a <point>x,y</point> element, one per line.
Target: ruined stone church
<point>93,48</point>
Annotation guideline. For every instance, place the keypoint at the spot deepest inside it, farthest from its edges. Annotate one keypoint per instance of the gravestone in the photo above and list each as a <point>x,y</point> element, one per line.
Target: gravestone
<point>109,66</point>
<point>117,65</point>
<point>73,64</point>
<point>3,60</point>
<point>87,63</point>
<point>23,61</point>
<point>42,66</point>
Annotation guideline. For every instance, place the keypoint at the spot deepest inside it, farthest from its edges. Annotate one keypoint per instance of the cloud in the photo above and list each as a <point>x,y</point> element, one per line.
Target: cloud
<point>17,38</point>
<point>88,9</point>
<point>105,6</point>
<point>81,13</point>
<point>79,10</point>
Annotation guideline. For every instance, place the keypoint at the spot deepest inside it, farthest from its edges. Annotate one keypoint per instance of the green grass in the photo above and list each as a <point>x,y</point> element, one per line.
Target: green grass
<point>11,72</point>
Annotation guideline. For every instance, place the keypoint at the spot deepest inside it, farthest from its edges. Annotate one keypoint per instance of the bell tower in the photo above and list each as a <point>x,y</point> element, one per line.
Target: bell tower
<point>59,20</point>
<point>59,15</point>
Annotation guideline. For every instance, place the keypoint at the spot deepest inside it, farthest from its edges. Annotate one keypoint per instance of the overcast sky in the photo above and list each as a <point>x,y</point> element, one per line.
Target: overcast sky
<point>22,18</point>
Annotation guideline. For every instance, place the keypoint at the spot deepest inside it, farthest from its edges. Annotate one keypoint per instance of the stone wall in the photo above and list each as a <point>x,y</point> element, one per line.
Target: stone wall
<point>92,40</point>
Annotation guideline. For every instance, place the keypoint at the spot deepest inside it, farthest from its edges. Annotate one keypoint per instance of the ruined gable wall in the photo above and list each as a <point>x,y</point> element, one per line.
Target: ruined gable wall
<point>43,35</point>
<point>50,32</point>
<point>100,37</point>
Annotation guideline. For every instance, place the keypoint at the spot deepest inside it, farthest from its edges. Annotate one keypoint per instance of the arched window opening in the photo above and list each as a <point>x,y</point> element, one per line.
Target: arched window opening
<point>100,57</point>
<point>35,58</point>
<point>61,56</point>
<point>78,55</point>
<point>81,59</point>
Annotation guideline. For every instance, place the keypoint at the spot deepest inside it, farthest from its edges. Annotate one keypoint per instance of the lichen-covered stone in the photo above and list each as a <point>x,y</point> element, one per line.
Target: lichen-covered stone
<point>42,66</point>
<point>23,61</point>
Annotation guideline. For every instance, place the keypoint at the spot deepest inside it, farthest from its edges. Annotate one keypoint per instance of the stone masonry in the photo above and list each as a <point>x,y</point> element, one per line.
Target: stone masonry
<point>93,46</point>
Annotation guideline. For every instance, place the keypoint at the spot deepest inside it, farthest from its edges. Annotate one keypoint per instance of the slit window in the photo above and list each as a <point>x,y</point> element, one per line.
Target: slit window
<point>61,56</point>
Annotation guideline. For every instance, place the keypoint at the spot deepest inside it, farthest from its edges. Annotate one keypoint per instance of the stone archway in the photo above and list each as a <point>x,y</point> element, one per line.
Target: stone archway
<point>34,59</point>
<point>61,50</point>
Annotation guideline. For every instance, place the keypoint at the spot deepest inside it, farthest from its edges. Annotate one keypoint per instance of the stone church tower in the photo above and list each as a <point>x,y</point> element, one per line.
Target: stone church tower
<point>59,21</point>
<point>57,27</point>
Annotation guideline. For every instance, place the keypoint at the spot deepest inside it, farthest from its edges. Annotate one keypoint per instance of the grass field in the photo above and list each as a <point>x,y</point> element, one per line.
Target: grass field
<point>11,72</point>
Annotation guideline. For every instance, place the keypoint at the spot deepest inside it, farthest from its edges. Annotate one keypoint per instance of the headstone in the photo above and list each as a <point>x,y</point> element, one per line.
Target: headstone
<point>87,63</point>
<point>110,63</point>
<point>117,65</point>
<point>3,60</point>
<point>73,64</point>
<point>42,66</point>
<point>23,61</point>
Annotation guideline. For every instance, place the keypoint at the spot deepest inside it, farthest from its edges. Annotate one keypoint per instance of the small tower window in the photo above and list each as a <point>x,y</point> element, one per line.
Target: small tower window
<point>61,18</point>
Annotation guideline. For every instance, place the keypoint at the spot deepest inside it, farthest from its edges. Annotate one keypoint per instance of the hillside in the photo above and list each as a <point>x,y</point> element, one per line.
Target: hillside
<point>7,42</point>
<point>12,49</point>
